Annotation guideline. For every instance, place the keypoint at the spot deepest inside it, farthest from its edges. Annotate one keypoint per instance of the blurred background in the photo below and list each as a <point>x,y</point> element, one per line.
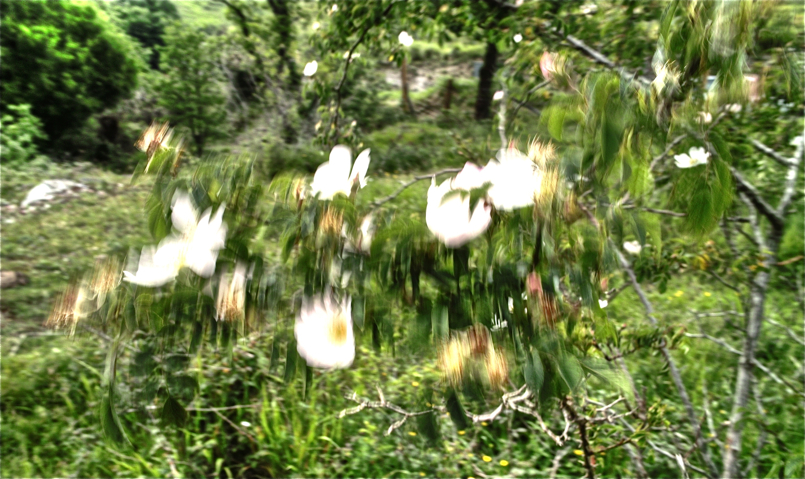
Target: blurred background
<point>82,79</point>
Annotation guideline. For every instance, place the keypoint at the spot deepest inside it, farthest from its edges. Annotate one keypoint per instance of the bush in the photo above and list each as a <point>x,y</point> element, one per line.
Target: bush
<point>66,62</point>
<point>20,133</point>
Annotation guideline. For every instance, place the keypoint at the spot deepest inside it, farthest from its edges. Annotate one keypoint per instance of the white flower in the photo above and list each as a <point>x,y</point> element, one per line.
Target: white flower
<point>516,180</point>
<point>632,247</point>
<point>196,245</point>
<point>589,9</point>
<point>310,68</point>
<point>364,239</point>
<point>334,8</point>
<point>245,424</point>
<point>498,95</point>
<point>518,38</point>
<point>450,219</point>
<point>511,305</point>
<point>497,324</point>
<point>316,25</point>
<point>405,39</point>
<point>697,156</point>
<point>734,108</point>
<point>602,303</point>
<point>704,117</point>
<point>232,295</point>
<point>333,177</point>
<point>354,55</point>
<point>323,332</point>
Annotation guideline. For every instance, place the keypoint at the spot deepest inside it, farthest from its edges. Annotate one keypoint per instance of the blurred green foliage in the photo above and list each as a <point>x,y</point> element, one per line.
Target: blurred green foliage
<point>66,62</point>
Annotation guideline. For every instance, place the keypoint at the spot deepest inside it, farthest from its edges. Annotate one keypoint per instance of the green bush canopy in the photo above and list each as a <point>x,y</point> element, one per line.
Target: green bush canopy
<point>64,61</point>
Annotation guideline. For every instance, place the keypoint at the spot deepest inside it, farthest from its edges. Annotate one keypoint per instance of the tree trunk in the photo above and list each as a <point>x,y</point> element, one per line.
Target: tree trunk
<point>743,383</point>
<point>408,106</point>
<point>483,101</point>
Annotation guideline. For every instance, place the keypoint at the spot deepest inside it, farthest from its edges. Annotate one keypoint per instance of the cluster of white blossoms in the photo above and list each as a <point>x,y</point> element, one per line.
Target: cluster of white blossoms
<point>513,180</point>
<point>194,244</point>
<point>696,156</point>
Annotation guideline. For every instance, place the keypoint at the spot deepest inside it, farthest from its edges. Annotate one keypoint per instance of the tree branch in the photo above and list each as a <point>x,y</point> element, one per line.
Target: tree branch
<point>753,195</point>
<point>757,363</point>
<point>397,193</point>
<point>600,58</point>
<point>674,371</point>
<point>772,154</point>
<point>340,86</point>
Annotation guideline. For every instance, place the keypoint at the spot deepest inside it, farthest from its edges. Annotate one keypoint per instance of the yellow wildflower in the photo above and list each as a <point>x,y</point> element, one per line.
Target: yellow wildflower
<point>487,459</point>
<point>411,433</point>
<point>578,452</point>
<point>504,462</point>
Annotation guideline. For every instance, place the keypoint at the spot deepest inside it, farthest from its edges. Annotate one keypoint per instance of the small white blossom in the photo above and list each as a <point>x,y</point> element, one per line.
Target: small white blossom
<point>696,156</point>
<point>311,68</point>
<point>316,25</point>
<point>511,305</point>
<point>704,117</point>
<point>518,38</point>
<point>602,303</point>
<point>632,247</point>
<point>245,424</point>
<point>589,9</point>
<point>734,108</point>
<point>334,8</point>
<point>405,39</point>
<point>498,95</point>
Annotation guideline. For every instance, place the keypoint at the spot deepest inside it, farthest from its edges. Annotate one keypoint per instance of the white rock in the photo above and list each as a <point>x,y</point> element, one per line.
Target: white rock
<point>47,189</point>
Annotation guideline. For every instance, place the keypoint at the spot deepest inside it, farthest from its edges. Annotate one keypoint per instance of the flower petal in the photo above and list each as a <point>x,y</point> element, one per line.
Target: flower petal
<point>184,215</point>
<point>360,167</point>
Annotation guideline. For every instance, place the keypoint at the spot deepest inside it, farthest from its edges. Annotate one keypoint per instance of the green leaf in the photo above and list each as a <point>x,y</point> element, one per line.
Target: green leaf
<point>183,386</point>
<point>173,413</point>
<point>570,370</point>
<point>440,322</point>
<point>358,311</point>
<point>456,410</point>
<point>556,122</point>
<point>534,372</point>
<point>110,423</point>
<point>291,357</point>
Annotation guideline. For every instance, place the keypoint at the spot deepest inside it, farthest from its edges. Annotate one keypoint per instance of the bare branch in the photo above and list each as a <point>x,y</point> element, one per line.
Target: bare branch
<point>753,195</point>
<point>602,59</point>
<point>667,150</point>
<point>757,363</point>
<point>557,461</point>
<point>672,367</point>
<point>788,330</point>
<point>790,184</point>
<point>761,440</point>
<point>340,86</point>
<point>772,154</point>
<point>723,281</point>
<point>397,193</point>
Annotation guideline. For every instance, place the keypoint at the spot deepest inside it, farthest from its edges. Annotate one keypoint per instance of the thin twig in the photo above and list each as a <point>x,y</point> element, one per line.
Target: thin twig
<point>397,193</point>
<point>348,61</point>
